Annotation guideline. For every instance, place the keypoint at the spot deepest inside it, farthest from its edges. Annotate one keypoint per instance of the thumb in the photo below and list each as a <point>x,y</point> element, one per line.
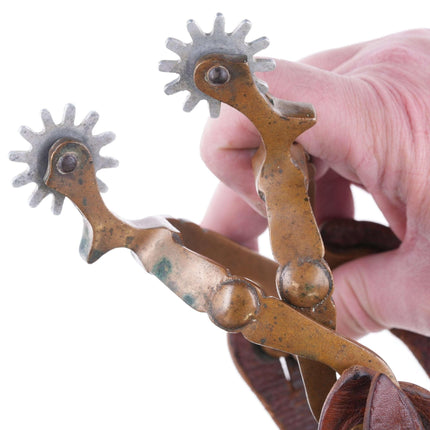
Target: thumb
<point>344,106</point>
<point>387,290</point>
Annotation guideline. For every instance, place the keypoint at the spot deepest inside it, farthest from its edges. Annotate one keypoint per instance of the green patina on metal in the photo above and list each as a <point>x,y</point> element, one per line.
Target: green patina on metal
<point>188,299</point>
<point>162,269</point>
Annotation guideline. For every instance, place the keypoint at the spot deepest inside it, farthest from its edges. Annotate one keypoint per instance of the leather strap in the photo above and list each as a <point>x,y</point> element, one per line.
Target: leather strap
<point>418,344</point>
<point>284,400</point>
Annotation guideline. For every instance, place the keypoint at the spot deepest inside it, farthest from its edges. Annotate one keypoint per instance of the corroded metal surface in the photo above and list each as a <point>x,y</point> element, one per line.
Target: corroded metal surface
<point>233,302</point>
<point>282,175</point>
<point>201,282</point>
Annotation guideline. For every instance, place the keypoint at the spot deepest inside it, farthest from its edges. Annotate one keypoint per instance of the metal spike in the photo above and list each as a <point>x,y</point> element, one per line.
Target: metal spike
<point>57,203</point>
<point>262,86</point>
<point>258,45</point>
<point>69,115</point>
<point>191,102</point>
<point>29,135</point>
<point>214,108</point>
<point>103,139</point>
<point>107,162</point>
<point>174,87</point>
<point>219,25</point>
<point>242,30</point>
<point>102,186</point>
<point>48,122</point>
<point>89,122</point>
<point>19,156</point>
<point>195,32</point>
<point>38,195</point>
<point>176,46</point>
<point>169,66</point>
<point>264,65</point>
<point>23,179</point>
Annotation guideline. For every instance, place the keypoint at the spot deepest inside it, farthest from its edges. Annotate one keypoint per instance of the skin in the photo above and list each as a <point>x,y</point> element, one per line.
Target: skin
<point>373,105</point>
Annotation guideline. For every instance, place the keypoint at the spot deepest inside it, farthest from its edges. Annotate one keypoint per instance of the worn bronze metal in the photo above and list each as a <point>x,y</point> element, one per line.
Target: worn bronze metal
<point>282,175</point>
<point>233,302</point>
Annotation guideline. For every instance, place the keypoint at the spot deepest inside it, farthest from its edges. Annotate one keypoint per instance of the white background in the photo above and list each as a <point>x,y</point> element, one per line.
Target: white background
<point>108,346</point>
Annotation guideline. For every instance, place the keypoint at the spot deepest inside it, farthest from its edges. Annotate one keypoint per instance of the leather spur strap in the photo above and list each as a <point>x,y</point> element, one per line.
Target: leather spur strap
<point>285,400</point>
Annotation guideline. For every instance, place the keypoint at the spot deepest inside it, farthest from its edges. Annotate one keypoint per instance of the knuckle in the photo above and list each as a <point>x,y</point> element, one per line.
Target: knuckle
<point>408,48</point>
<point>395,54</point>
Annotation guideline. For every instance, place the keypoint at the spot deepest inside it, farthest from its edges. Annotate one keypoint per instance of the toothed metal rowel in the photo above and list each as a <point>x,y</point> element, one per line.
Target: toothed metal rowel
<point>37,156</point>
<point>215,42</point>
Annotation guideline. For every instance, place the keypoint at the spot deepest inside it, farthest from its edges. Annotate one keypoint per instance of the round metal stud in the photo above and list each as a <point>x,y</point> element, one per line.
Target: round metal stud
<point>67,163</point>
<point>234,304</point>
<point>218,75</point>
<point>304,284</point>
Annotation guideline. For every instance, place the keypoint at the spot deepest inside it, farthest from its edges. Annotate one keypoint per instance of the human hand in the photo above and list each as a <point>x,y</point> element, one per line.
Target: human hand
<point>373,105</point>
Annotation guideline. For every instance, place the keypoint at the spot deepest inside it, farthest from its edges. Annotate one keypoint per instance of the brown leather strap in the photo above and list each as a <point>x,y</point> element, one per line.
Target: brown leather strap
<point>368,400</point>
<point>285,400</point>
<point>418,344</point>
<point>388,407</point>
<point>420,399</point>
<point>345,405</point>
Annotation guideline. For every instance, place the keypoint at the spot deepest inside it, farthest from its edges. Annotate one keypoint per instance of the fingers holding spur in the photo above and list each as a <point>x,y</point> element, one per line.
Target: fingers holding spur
<point>229,143</point>
<point>227,147</point>
<point>333,198</point>
<point>376,292</point>
<point>341,103</point>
